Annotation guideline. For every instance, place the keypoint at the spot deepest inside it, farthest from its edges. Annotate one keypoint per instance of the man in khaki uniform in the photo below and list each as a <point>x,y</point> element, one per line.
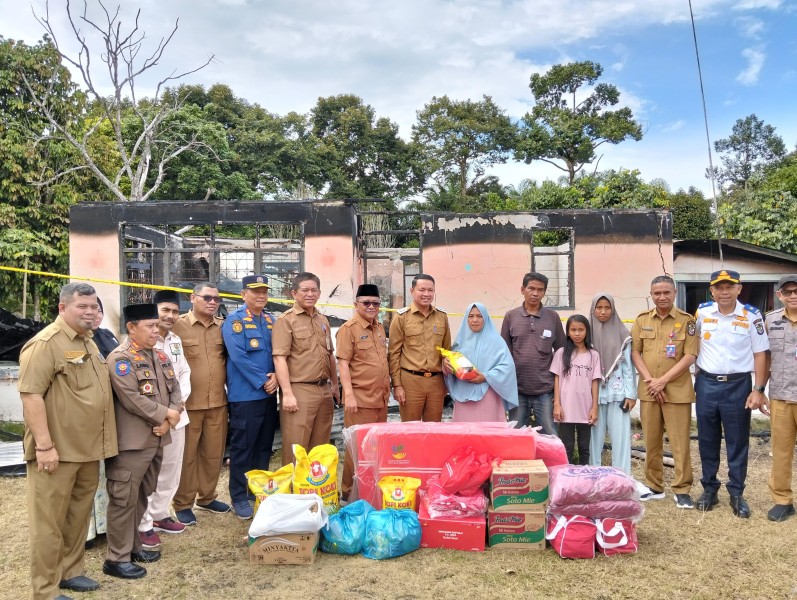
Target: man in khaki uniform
<point>148,404</point>
<point>305,364</point>
<point>69,428</point>
<point>416,366</point>
<point>782,330</point>
<point>364,374</point>
<point>664,345</point>
<point>206,432</point>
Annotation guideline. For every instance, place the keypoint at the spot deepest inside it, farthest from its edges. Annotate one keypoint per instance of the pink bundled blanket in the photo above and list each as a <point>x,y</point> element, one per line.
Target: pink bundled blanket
<point>596,492</point>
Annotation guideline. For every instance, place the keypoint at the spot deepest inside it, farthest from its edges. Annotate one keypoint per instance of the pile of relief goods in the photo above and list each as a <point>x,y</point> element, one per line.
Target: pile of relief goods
<point>297,506</point>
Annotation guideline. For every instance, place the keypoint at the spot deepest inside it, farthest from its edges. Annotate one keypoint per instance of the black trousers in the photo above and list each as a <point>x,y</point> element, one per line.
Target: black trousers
<point>576,433</point>
<point>252,427</point>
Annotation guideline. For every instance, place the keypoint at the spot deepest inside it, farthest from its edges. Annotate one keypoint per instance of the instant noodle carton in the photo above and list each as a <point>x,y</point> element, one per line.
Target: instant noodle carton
<point>519,485</point>
<point>516,530</point>
<point>284,549</point>
<point>457,534</point>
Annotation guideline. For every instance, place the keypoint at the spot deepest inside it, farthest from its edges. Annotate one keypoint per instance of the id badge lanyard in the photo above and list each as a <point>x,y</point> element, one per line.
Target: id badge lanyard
<point>670,347</point>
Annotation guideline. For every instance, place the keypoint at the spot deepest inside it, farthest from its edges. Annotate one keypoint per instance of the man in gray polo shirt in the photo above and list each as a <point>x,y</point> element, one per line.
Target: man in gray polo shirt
<point>533,333</point>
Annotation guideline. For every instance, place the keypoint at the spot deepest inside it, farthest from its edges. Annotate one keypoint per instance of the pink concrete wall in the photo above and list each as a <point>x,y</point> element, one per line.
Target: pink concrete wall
<point>623,270</point>
<point>697,267</point>
<point>332,258</point>
<point>97,256</point>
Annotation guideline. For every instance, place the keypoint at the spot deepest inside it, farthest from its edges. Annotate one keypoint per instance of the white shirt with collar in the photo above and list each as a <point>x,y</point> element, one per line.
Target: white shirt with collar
<point>172,346</point>
<point>728,342</point>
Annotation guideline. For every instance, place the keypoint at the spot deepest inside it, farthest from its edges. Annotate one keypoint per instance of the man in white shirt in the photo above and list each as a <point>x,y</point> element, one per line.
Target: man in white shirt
<point>733,344</point>
<point>158,517</point>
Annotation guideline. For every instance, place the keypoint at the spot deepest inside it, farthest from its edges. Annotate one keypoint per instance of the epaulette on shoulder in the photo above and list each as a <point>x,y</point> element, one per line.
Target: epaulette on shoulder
<point>401,311</point>
<point>772,312</point>
<point>644,312</point>
<point>48,332</point>
<point>441,309</point>
<point>752,309</point>
<point>705,304</point>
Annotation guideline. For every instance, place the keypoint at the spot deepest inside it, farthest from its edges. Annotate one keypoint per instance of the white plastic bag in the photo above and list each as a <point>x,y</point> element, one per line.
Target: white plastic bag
<point>289,513</point>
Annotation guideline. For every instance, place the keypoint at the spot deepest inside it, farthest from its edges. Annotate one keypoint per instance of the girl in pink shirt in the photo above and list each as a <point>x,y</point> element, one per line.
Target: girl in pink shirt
<point>577,370</point>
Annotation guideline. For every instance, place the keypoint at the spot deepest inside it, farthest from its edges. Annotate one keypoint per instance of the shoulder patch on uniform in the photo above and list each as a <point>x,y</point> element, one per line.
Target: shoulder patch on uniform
<point>752,309</point>
<point>691,328</point>
<point>401,311</point>
<point>237,327</point>
<point>759,327</point>
<point>122,367</point>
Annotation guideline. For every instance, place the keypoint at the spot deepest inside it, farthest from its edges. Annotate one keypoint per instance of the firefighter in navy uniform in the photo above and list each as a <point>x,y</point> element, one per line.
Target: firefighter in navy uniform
<point>251,389</point>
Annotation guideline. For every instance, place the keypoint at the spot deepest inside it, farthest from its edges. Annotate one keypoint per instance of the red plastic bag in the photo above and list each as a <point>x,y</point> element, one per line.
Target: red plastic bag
<point>550,450</point>
<point>465,472</point>
<point>442,505</point>
<point>616,536</point>
<point>572,536</point>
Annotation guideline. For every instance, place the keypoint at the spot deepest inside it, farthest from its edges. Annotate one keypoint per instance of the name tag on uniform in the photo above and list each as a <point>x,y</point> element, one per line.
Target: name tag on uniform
<point>670,350</point>
<point>547,333</point>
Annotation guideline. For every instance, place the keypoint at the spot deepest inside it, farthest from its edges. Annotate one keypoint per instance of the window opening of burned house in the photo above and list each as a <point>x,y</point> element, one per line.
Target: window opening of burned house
<point>552,255</point>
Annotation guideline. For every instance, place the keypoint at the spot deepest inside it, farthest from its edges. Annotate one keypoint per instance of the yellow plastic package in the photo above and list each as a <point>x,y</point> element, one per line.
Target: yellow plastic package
<point>463,368</point>
<point>267,483</point>
<point>317,473</point>
<point>399,492</point>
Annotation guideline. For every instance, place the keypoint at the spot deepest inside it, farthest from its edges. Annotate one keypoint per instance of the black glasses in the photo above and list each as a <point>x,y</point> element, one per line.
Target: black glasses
<point>369,303</point>
<point>789,292</point>
<point>210,299</point>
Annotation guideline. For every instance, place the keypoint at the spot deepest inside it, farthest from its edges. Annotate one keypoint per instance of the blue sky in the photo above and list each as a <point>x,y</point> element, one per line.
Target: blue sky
<point>284,54</point>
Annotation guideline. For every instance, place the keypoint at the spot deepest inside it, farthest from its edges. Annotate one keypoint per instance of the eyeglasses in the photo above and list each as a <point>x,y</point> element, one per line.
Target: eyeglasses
<point>369,303</point>
<point>210,299</point>
<point>789,292</point>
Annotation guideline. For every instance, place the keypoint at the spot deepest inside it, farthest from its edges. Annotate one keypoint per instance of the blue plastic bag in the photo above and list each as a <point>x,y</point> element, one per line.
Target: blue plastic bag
<point>345,532</point>
<point>391,532</point>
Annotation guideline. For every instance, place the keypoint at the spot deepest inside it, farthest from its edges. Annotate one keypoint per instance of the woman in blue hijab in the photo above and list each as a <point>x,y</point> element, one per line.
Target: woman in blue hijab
<point>494,390</point>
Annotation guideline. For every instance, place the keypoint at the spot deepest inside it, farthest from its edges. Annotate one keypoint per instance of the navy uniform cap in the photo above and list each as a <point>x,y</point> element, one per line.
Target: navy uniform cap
<point>139,312</point>
<point>725,275</point>
<point>254,281</point>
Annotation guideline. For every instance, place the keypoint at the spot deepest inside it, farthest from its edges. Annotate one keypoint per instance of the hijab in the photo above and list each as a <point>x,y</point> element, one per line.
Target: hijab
<point>489,353</point>
<point>609,338</point>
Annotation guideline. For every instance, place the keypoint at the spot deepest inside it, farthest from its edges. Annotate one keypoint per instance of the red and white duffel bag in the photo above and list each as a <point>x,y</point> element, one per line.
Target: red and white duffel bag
<point>571,536</point>
<point>616,536</point>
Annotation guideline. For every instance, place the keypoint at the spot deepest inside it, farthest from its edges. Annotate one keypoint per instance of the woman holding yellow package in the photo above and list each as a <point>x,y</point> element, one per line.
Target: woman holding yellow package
<point>489,389</point>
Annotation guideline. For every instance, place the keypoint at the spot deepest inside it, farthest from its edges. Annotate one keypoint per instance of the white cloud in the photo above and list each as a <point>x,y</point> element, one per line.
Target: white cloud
<point>674,126</point>
<point>750,27</point>
<point>755,62</point>
<point>757,4</point>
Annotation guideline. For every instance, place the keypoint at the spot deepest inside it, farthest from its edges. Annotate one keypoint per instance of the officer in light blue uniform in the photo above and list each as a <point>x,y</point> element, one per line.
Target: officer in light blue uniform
<point>251,389</point>
<point>733,344</point>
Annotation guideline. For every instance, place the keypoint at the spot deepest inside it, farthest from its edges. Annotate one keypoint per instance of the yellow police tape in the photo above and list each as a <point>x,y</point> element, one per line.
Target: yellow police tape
<point>150,286</point>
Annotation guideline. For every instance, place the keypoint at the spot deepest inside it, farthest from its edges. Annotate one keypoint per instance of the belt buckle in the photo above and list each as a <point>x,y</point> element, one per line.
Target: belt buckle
<point>722,378</point>
<point>427,374</point>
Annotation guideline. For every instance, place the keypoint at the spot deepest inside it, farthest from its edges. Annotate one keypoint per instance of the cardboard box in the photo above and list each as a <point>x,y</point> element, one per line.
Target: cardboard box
<point>516,530</point>
<point>285,549</point>
<point>456,534</point>
<point>519,485</point>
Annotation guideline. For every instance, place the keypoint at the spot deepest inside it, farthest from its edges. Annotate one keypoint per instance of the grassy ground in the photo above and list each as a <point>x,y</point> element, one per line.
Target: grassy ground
<point>683,554</point>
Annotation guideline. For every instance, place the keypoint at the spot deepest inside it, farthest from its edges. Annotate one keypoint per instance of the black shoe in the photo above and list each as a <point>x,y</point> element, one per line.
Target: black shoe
<point>707,501</point>
<point>146,556</point>
<point>780,512</point>
<point>124,570</point>
<point>62,597</point>
<point>81,583</point>
<point>740,507</point>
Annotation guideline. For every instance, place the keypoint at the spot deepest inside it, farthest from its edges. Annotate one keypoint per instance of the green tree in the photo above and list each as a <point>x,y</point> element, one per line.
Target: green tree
<point>782,176</point>
<point>768,219</point>
<point>34,210</point>
<point>751,146</point>
<point>568,126</point>
<point>463,138</point>
<point>691,215</point>
<point>360,155</point>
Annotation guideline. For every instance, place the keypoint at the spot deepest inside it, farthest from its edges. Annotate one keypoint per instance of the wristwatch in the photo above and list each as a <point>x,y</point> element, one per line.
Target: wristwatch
<point>759,388</point>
